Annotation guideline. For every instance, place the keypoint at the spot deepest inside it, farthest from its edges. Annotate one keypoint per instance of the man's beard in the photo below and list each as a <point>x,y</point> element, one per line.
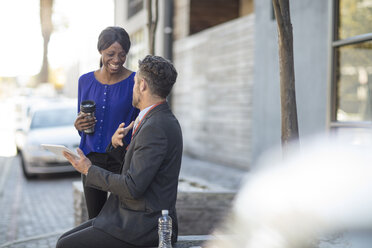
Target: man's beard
<point>136,100</point>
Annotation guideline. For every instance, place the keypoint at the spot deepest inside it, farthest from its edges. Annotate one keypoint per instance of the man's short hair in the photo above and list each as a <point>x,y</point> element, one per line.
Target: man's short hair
<point>159,74</point>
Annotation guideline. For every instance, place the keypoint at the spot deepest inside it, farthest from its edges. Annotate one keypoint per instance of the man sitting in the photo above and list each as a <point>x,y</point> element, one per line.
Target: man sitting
<point>149,177</point>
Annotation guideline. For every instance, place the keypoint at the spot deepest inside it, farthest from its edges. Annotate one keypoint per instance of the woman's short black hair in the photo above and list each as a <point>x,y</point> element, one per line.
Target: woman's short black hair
<point>111,35</point>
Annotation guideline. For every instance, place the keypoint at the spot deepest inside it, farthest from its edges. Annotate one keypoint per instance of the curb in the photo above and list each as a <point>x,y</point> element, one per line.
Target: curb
<point>4,173</point>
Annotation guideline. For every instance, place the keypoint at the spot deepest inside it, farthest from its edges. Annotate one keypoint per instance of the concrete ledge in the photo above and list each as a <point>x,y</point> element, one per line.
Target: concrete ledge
<point>80,207</point>
<point>200,212</point>
<point>195,241</point>
<point>200,208</point>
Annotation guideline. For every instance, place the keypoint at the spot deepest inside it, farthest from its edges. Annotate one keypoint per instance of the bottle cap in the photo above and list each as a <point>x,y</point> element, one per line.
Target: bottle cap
<point>164,212</point>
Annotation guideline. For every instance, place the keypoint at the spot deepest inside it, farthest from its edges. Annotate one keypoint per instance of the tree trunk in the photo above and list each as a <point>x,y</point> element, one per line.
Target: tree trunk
<point>152,23</point>
<point>46,9</point>
<point>287,75</point>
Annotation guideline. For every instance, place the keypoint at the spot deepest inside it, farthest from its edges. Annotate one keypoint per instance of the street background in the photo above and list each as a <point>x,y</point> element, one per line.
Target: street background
<point>33,212</point>
<point>36,212</point>
<point>227,97</point>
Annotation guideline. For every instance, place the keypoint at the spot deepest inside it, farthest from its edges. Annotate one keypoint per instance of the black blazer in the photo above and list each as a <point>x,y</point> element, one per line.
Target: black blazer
<point>148,181</point>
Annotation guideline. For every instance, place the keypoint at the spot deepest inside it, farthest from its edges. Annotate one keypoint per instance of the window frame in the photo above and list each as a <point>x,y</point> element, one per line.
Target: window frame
<point>335,43</point>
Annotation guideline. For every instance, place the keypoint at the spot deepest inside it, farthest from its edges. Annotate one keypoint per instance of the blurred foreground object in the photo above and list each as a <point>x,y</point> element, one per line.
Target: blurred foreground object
<point>318,196</point>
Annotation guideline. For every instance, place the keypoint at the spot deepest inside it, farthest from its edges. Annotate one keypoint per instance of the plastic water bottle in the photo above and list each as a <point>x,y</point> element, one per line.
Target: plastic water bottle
<point>165,230</point>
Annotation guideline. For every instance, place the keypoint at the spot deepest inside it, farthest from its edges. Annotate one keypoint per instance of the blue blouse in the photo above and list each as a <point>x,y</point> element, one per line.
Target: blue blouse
<point>113,106</point>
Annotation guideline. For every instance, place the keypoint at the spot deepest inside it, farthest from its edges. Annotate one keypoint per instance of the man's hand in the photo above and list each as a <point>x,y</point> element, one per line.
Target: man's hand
<point>81,164</point>
<point>117,138</point>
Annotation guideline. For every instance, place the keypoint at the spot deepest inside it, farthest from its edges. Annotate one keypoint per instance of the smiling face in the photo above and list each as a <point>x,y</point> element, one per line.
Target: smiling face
<point>113,58</point>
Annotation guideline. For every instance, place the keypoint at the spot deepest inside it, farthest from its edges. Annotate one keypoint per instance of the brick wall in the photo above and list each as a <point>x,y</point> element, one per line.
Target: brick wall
<point>212,96</point>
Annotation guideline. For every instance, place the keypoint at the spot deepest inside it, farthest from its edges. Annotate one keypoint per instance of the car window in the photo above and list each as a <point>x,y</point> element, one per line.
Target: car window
<point>53,118</point>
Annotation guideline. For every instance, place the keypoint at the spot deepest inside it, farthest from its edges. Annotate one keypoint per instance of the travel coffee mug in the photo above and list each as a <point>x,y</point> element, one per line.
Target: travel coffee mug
<point>88,107</point>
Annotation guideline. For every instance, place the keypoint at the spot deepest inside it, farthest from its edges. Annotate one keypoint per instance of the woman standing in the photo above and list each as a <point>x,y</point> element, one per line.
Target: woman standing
<point>110,87</point>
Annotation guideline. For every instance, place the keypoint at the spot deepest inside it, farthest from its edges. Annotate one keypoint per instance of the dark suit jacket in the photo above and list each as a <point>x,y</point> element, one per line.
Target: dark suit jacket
<point>148,181</point>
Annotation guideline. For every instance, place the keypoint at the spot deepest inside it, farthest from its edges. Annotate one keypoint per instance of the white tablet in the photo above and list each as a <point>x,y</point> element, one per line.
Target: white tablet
<point>59,149</point>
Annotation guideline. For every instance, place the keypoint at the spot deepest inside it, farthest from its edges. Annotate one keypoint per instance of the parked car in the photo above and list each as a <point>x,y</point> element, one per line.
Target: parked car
<point>49,122</point>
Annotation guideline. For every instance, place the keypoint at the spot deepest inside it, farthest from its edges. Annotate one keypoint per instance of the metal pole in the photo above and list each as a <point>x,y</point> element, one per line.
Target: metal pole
<point>168,35</point>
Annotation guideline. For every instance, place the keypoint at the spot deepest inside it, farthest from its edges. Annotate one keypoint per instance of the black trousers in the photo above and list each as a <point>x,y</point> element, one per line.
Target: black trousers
<point>94,198</point>
<point>87,236</point>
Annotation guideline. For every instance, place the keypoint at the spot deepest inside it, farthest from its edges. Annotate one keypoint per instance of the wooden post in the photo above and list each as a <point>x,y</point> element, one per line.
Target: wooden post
<point>287,75</point>
<point>152,23</point>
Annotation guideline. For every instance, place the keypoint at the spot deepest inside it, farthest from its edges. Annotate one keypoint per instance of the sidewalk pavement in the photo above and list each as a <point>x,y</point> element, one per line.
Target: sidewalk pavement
<point>33,212</point>
<point>218,176</point>
<point>206,173</point>
<point>5,164</point>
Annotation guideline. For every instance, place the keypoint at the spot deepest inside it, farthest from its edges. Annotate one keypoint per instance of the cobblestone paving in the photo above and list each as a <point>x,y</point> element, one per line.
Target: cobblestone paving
<point>33,212</point>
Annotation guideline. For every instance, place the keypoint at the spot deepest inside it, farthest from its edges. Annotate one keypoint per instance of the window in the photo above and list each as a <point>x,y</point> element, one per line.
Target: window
<point>137,49</point>
<point>134,6</point>
<point>354,18</point>
<point>352,63</point>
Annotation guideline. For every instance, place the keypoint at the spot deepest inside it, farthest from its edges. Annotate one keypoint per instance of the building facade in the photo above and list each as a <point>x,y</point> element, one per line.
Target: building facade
<point>332,48</point>
<point>227,95</point>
